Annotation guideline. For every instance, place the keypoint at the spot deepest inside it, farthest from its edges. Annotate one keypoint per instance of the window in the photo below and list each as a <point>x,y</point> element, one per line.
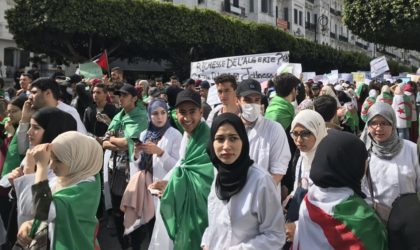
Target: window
<point>264,6</point>
<point>251,5</point>
<point>201,1</point>
<point>315,18</point>
<point>308,17</point>
<point>270,7</point>
<point>335,28</point>
<point>286,14</point>
<point>300,17</point>
<point>295,16</point>
<point>235,3</point>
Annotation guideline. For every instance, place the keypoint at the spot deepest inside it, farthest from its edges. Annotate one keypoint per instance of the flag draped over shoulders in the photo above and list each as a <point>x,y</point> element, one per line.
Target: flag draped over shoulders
<point>13,158</point>
<point>184,203</point>
<point>344,223</point>
<point>132,123</point>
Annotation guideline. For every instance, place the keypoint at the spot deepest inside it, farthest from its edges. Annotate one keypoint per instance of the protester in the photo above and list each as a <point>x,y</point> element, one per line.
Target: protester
<point>76,160</point>
<point>333,214</point>
<point>326,106</point>
<point>226,86</point>
<point>98,116</point>
<point>157,152</point>
<point>183,206</point>
<point>394,163</point>
<point>367,104</point>
<point>401,104</point>
<point>125,125</point>
<point>307,130</point>
<point>268,142</point>
<point>242,194</point>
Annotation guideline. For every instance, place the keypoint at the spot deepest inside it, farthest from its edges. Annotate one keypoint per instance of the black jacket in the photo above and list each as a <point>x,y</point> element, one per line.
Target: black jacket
<point>92,125</point>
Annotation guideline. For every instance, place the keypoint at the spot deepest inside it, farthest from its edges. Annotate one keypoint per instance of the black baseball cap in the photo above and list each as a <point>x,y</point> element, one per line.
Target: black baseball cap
<point>205,85</point>
<point>247,87</point>
<point>188,96</point>
<point>126,89</point>
<point>316,85</point>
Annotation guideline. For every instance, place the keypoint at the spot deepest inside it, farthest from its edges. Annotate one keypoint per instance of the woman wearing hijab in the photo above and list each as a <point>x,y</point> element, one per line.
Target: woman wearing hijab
<point>333,215</point>
<point>156,154</point>
<point>70,206</point>
<point>243,208</point>
<point>307,131</point>
<point>159,147</point>
<point>394,164</point>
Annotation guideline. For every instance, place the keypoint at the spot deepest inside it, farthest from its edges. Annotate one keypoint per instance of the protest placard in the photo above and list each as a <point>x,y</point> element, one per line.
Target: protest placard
<point>378,66</point>
<point>308,75</point>
<point>260,67</point>
<point>358,76</point>
<point>293,68</point>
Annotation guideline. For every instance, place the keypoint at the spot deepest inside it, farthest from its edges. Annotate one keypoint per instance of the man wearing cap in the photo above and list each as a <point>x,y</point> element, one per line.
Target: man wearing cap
<point>316,88</point>
<point>125,125</point>
<point>268,145</point>
<point>204,91</point>
<point>189,84</point>
<point>191,179</point>
<point>226,86</point>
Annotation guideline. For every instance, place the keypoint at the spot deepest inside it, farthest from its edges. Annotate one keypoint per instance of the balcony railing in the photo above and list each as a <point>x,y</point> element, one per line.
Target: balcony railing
<point>311,1</point>
<point>343,38</point>
<point>361,45</point>
<point>333,35</point>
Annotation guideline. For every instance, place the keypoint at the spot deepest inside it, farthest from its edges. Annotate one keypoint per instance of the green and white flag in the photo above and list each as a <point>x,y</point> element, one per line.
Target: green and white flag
<point>90,70</point>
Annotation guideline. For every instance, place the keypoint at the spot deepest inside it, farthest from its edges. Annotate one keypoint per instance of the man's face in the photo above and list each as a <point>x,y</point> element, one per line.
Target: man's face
<point>37,98</point>
<point>99,94</point>
<point>315,91</point>
<point>116,76</point>
<point>127,101</point>
<point>204,92</point>
<point>250,99</point>
<point>24,82</point>
<point>189,116</point>
<point>226,93</point>
<point>159,85</point>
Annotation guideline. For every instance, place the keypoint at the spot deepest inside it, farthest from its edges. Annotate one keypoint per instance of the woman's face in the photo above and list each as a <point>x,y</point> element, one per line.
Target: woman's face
<point>159,117</point>
<point>60,169</point>
<point>227,144</point>
<point>14,113</point>
<point>35,133</point>
<point>303,138</point>
<point>380,128</point>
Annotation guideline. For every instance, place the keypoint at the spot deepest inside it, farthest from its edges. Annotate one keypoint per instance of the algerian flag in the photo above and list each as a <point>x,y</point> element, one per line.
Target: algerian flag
<point>90,70</point>
<point>402,107</point>
<point>338,219</point>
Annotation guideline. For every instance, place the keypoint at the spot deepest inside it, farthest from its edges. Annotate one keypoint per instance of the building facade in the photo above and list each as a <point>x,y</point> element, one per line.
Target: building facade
<point>319,21</point>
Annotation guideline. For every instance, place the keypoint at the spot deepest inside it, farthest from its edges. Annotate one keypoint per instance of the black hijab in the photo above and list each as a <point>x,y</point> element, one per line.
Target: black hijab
<point>339,161</point>
<point>54,122</point>
<point>230,178</point>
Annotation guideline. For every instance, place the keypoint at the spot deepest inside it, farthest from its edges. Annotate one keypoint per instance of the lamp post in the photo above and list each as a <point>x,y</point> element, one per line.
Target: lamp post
<point>323,21</point>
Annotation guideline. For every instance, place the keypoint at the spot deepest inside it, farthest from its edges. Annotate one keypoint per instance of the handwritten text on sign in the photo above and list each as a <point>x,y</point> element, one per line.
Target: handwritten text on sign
<point>257,66</point>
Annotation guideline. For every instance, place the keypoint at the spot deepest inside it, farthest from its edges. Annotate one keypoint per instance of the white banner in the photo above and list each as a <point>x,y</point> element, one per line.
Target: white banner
<point>260,67</point>
<point>308,75</point>
<point>378,66</point>
<point>292,68</point>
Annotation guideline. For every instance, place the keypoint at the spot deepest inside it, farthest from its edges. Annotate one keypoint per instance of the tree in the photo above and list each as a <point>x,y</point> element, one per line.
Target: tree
<point>74,30</point>
<point>390,22</point>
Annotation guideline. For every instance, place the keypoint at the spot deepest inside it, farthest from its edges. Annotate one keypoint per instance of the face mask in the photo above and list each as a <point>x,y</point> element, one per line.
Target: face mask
<point>250,112</point>
<point>69,90</point>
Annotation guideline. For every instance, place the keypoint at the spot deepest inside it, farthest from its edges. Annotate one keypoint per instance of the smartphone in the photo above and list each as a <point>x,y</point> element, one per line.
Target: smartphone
<point>136,140</point>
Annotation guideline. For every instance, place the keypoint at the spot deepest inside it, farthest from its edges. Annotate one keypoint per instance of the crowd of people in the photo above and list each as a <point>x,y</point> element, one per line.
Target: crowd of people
<point>297,165</point>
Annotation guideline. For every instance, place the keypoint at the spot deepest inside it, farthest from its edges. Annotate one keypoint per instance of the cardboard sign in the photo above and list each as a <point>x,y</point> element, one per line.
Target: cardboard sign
<point>378,66</point>
<point>260,67</point>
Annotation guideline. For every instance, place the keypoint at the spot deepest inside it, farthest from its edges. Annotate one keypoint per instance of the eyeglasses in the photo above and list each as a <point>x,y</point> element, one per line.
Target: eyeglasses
<point>304,135</point>
<point>375,124</point>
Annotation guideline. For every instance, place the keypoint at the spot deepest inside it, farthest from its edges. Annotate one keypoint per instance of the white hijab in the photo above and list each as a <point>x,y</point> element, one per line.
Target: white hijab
<point>313,122</point>
<point>81,153</point>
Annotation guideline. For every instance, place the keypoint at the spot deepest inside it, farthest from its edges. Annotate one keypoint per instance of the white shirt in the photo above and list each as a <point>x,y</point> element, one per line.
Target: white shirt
<point>268,146</point>
<point>251,219</point>
<point>170,143</point>
<point>391,178</point>
<point>73,112</point>
<point>212,114</point>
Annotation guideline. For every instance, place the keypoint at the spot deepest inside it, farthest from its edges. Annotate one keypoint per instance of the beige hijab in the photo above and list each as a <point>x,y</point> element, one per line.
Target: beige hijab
<point>313,122</point>
<point>81,153</point>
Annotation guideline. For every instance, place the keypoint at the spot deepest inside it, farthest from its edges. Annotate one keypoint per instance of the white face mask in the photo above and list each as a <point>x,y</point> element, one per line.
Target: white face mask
<point>250,112</point>
<point>69,90</point>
